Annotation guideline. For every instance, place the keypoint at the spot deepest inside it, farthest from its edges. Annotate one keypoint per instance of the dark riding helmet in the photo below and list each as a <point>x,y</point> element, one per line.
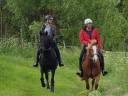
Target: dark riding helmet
<point>48,17</point>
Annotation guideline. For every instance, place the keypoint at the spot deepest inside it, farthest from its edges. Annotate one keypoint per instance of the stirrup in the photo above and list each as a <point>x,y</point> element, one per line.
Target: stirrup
<point>104,73</point>
<point>35,65</point>
<point>79,74</point>
<point>61,65</point>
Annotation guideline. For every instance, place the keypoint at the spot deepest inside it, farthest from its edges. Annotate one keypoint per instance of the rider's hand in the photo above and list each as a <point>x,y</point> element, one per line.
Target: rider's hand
<point>93,41</point>
<point>89,46</point>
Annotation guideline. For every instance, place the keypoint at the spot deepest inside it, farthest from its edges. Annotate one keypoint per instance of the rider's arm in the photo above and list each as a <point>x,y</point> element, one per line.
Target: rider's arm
<point>98,40</point>
<point>54,30</point>
<point>83,39</point>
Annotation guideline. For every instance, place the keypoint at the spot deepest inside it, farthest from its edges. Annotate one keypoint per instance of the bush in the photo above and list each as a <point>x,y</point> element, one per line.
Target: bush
<point>14,46</point>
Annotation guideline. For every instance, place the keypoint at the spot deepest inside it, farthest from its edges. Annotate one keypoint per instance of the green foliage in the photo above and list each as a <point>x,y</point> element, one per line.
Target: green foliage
<point>109,16</point>
<point>34,29</point>
<point>15,46</point>
<point>8,45</point>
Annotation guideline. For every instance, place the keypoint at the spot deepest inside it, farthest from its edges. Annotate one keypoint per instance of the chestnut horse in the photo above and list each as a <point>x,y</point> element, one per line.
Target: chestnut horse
<point>91,68</point>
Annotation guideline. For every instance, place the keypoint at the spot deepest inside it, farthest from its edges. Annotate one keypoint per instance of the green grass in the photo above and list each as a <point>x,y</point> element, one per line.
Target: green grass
<point>19,78</point>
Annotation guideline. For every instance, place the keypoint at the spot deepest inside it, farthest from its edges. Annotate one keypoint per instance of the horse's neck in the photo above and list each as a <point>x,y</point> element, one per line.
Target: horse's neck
<point>88,54</point>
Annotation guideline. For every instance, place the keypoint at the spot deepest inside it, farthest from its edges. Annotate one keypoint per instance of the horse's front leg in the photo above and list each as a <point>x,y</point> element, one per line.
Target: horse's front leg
<point>87,84</point>
<point>93,83</point>
<point>52,80</point>
<point>42,78</point>
<point>47,79</point>
<point>97,82</point>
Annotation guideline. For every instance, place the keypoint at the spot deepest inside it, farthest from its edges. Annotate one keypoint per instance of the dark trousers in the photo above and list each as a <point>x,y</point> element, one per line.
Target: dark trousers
<point>101,58</point>
<point>57,52</point>
<point>83,53</point>
<point>54,45</point>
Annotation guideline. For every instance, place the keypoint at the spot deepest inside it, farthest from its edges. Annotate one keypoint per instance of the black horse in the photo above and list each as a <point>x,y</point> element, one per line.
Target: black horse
<point>47,61</point>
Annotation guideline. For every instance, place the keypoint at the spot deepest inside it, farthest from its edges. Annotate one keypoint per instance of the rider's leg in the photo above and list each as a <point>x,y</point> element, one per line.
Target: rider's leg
<point>102,63</point>
<point>80,62</point>
<point>57,54</point>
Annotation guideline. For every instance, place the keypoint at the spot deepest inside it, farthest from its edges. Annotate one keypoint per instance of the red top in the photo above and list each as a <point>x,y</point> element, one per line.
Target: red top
<point>85,39</point>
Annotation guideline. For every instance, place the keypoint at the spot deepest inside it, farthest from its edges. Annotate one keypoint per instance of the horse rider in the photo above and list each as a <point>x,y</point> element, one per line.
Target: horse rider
<point>87,35</point>
<point>50,28</point>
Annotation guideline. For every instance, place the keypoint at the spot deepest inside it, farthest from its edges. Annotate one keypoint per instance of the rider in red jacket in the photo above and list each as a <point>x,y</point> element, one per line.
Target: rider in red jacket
<point>87,35</point>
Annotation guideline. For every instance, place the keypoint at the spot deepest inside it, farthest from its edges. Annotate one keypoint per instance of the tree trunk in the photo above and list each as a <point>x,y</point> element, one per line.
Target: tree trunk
<point>1,20</point>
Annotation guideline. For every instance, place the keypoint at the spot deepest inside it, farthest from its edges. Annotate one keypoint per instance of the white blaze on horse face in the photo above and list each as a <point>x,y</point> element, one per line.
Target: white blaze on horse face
<point>95,57</point>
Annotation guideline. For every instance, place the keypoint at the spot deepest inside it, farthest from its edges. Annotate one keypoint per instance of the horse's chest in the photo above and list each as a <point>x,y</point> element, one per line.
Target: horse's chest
<point>48,57</point>
<point>90,68</point>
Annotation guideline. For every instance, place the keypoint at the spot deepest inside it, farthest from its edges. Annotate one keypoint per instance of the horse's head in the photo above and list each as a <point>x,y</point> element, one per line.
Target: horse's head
<point>93,52</point>
<point>45,41</point>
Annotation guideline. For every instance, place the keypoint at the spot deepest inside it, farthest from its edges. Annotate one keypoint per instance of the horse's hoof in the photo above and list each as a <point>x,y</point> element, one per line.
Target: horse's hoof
<point>52,90</point>
<point>43,84</point>
<point>48,87</point>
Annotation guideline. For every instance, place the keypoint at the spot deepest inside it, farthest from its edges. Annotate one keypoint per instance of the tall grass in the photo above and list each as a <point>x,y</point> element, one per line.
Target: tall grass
<point>15,46</point>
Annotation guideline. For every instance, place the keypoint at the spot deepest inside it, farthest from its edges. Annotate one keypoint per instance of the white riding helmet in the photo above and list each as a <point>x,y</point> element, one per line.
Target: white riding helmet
<point>87,21</point>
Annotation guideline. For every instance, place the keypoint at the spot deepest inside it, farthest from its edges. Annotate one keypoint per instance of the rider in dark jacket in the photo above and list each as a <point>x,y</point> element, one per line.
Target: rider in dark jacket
<point>50,28</point>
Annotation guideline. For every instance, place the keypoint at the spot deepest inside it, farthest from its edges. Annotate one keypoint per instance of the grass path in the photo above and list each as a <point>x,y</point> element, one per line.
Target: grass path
<point>19,78</point>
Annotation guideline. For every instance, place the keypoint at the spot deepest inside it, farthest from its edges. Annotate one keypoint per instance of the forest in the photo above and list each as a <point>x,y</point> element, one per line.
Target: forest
<point>21,20</point>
